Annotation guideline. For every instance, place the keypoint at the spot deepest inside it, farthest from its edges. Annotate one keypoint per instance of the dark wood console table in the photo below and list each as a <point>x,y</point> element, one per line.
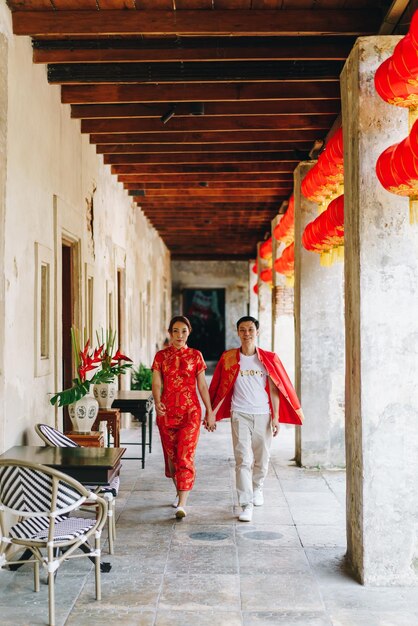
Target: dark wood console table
<point>140,404</point>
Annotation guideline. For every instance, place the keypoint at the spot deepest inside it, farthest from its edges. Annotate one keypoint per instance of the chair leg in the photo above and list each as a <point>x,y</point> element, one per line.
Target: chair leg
<point>51,589</point>
<point>97,568</point>
<point>110,506</point>
<point>36,575</point>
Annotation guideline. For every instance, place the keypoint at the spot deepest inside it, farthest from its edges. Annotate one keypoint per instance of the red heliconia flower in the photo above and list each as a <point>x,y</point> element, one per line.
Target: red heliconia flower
<point>118,356</point>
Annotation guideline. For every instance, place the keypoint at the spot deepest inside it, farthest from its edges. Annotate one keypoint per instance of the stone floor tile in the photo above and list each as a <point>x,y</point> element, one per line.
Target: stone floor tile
<point>371,618</point>
<point>272,515</point>
<point>271,559</point>
<point>317,514</point>
<point>211,559</point>
<point>353,596</point>
<point>286,618</point>
<point>254,534</point>
<point>316,535</point>
<point>209,534</point>
<point>206,617</point>
<point>281,592</point>
<point>95,615</point>
<point>124,588</point>
<point>200,592</point>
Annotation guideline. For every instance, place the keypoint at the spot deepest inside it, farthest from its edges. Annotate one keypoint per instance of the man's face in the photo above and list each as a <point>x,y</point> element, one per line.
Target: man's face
<point>247,333</point>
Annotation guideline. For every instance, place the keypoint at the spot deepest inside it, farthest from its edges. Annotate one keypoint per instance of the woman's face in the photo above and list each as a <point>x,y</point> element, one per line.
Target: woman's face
<point>179,335</point>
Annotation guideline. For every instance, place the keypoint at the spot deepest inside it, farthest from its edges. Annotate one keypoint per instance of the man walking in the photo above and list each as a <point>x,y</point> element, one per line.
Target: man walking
<point>251,386</point>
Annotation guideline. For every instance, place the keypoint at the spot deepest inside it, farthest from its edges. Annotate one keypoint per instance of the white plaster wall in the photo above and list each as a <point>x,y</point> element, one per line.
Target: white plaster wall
<point>230,275</point>
<point>51,170</point>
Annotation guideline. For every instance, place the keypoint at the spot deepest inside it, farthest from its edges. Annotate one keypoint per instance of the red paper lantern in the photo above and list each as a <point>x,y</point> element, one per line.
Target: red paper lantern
<point>327,230</point>
<point>266,275</point>
<point>285,229</point>
<point>255,289</point>
<point>255,268</point>
<point>327,174</point>
<point>286,263</point>
<point>266,249</point>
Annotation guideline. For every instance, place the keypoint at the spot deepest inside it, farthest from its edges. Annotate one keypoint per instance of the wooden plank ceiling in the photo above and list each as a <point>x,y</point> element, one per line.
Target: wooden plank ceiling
<point>202,108</point>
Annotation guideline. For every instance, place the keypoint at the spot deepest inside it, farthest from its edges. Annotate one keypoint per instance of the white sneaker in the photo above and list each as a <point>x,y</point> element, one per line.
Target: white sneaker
<point>247,513</point>
<point>258,498</point>
<point>180,512</point>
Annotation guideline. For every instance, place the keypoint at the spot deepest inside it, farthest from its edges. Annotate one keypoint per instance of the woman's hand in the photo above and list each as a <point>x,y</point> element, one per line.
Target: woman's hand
<point>210,421</point>
<point>160,408</point>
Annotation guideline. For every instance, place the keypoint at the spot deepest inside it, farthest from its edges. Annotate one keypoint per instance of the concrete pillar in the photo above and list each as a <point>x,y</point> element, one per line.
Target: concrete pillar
<point>381,275</point>
<point>319,345</point>
<point>252,298</point>
<point>3,171</point>
<point>264,311</point>
<point>282,313</point>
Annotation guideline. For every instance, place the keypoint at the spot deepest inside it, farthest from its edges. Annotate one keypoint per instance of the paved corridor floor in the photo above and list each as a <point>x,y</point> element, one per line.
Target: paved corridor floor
<point>285,568</point>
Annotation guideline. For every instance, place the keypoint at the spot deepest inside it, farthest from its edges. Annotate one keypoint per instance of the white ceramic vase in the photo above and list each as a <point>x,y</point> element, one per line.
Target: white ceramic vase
<point>105,394</point>
<point>83,414</point>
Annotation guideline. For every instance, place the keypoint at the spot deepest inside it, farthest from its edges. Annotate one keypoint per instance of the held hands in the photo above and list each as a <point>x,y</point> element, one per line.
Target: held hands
<point>210,422</point>
<point>275,427</point>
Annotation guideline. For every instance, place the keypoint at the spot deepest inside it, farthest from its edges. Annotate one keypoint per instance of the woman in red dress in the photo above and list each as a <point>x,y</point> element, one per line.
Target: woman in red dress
<point>176,371</point>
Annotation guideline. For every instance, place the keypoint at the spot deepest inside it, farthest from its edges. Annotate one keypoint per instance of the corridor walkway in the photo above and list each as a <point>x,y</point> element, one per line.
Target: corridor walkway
<point>283,569</point>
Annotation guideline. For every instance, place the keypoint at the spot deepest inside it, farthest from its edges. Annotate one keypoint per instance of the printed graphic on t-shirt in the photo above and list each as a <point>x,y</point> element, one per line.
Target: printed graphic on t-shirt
<point>250,395</point>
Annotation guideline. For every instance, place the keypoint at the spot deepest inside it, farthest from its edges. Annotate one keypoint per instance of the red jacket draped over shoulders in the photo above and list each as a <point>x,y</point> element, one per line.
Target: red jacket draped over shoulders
<point>225,375</point>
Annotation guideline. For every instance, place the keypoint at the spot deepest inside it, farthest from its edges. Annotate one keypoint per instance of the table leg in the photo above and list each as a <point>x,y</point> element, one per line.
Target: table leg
<point>150,415</point>
<point>143,441</point>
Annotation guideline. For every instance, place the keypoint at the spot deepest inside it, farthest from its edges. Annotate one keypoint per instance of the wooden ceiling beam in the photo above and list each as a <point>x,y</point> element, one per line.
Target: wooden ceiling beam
<point>207,177</point>
<point>202,169</point>
<point>212,109</point>
<point>203,124</point>
<point>196,23</point>
<point>215,138</point>
<point>240,185</point>
<point>117,93</point>
<point>225,157</point>
<point>194,200</point>
<point>221,148</point>
<point>202,49</point>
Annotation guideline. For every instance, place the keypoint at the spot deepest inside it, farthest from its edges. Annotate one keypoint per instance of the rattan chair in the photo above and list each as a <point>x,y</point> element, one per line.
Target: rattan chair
<point>53,437</point>
<point>41,499</point>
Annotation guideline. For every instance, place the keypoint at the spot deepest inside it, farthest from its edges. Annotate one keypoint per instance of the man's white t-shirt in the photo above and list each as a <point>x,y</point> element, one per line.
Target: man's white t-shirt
<point>250,395</point>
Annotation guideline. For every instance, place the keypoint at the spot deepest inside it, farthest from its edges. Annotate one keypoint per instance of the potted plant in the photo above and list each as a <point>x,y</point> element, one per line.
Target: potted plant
<point>110,367</point>
<point>141,378</point>
<point>82,408</point>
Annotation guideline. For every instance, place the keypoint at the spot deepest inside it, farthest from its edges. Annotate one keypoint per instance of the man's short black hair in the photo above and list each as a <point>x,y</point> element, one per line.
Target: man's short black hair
<point>248,318</point>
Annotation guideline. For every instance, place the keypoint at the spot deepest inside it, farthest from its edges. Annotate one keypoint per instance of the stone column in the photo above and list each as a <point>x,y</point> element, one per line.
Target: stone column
<point>381,276</point>
<point>3,171</point>
<point>282,313</point>
<point>264,311</point>
<point>319,345</point>
<point>252,298</point>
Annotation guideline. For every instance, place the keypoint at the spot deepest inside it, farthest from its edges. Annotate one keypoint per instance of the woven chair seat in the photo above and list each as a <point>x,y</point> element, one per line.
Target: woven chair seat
<point>64,530</point>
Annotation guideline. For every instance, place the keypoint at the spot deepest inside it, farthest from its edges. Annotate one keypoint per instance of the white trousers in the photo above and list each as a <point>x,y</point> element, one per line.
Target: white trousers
<point>251,438</point>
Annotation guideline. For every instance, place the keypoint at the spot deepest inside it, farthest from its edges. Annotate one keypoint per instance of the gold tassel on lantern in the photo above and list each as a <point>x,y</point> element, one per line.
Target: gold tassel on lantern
<point>413,210</point>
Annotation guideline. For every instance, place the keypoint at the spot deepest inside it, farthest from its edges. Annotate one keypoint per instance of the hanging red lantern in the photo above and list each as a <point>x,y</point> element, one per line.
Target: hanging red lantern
<point>255,289</point>
<point>255,268</point>
<point>266,275</point>
<point>266,249</point>
<point>285,229</point>
<point>285,264</point>
<point>326,232</point>
<point>324,179</point>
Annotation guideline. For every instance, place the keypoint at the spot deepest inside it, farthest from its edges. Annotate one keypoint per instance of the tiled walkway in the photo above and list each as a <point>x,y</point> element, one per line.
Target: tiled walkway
<point>283,569</point>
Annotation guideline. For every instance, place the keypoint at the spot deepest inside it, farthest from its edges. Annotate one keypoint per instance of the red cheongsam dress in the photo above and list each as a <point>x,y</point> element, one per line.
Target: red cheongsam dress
<point>180,426</point>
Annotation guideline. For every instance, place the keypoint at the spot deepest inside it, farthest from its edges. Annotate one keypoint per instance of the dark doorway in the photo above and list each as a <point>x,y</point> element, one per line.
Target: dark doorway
<point>67,290</point>
<point>205,309</point>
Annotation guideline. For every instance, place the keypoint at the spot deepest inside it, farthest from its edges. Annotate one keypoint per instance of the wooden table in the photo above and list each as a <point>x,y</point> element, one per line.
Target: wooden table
<point>140,404</point>
<point>112,419</point>
<point>91,466</point>
<point>93,439</point>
